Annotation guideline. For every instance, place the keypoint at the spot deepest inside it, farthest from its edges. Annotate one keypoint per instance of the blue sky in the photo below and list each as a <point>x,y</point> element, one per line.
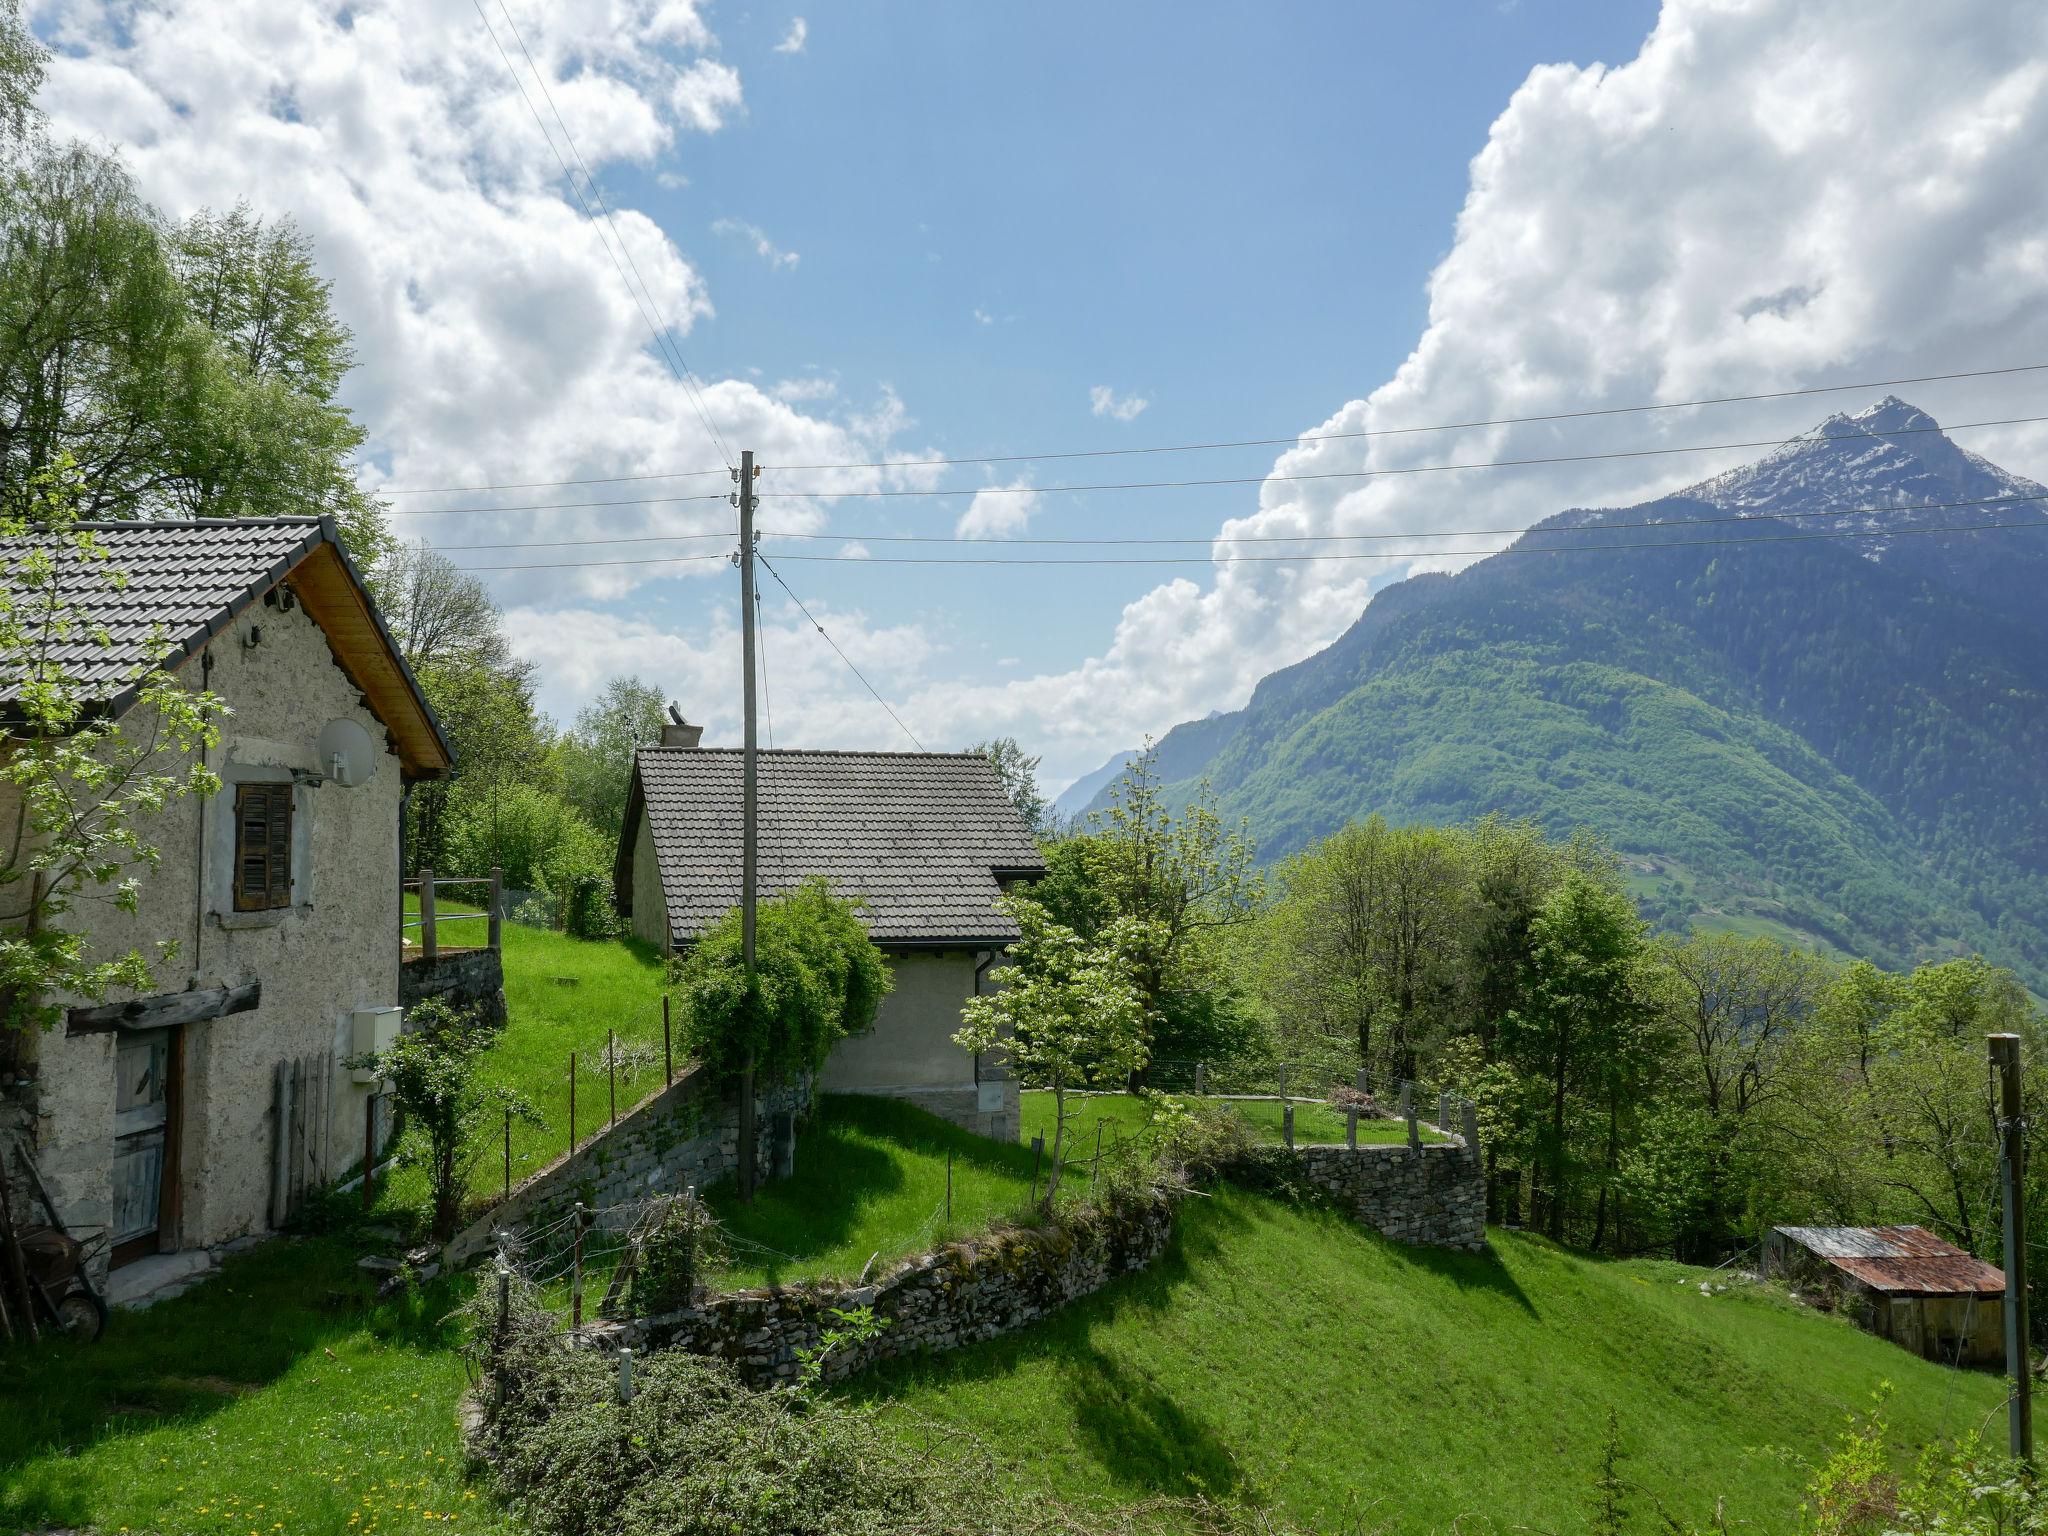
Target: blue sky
<point>939,230</point>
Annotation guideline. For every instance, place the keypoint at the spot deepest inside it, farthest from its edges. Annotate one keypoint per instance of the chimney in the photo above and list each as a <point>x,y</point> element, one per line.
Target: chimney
<point>678,732</point>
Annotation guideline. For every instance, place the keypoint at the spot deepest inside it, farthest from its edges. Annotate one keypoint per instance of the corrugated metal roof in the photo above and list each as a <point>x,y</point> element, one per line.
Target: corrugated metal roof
<point>1900,1260</point>
<point>919,837</point>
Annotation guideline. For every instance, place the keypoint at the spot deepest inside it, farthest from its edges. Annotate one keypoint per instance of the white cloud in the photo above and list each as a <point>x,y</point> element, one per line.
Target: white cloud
<point>998,512</point>
<point>1769,195</point>
<point>982,316</point>
<point>1104,401</point>
<point>853,549</point>
<point>754,235</point>
<point>793,40</point>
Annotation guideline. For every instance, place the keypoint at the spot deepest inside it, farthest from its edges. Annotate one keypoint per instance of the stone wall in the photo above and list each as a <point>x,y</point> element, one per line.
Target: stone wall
<point>1011,1278</point>
<point>686,1134</point>
<point>1433,1195</point>
<point>472,978</point>
<point>952,1296</point>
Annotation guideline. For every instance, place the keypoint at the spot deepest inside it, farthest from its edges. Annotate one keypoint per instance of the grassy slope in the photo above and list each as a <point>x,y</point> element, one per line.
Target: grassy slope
<point>1120,1113</point>
<point>1290,1357</point>
<point>276,1397</point>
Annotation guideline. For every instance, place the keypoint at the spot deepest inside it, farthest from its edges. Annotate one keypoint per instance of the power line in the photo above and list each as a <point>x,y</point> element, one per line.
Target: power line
<point>1264,442</point>
<point>1145,485</point>
<point>664,343</point>
<point>1243,538</point>
<point>1369,474</point>
<point>1397,554</point>
<point>856,671</point>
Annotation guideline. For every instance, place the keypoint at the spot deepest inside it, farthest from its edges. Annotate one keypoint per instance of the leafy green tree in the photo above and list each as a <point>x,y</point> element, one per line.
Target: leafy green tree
<point>818,978</point>
<point>81,787</point>
<point>1070,1011</point>
<point>447,1110</point>
<point>1575,1029</point>
<point>1019,775</point>
<point>597,754</point>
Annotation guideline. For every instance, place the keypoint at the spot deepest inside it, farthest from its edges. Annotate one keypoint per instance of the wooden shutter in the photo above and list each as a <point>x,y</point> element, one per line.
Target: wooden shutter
<point>263,846</point>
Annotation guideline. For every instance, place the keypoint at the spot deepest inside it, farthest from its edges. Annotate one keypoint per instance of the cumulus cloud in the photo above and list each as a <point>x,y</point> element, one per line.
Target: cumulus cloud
<point>1776,194</point>
<point>754,235</point>
<point>998,512</point>
<point>1104,401</point>
<point>793,40</point>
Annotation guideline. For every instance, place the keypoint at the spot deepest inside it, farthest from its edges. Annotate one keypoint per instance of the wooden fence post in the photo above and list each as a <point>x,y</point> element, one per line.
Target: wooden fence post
<point>497,922</point>
<point>429,943</point>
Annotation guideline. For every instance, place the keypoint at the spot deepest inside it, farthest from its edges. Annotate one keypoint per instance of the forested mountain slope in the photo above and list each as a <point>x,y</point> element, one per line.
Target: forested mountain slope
<point>1844,737</point>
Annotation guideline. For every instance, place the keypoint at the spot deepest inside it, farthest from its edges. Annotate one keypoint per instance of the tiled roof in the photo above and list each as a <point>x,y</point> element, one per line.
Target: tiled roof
<point>186,581</point>
<point>918,837</point>
<point>1902,1260</point>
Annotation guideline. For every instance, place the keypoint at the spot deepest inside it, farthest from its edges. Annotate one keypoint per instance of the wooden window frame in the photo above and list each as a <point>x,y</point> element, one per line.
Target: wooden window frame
<point>263,846</point>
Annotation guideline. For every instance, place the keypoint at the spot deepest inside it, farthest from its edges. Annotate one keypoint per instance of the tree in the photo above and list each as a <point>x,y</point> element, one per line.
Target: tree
<point>1019,776</point>
<point>1069,1012</point>
<point>1574,1027</point>
<point>178,370</point>
<point>818,978</point>
<point>597,755</point>
<point>447,1110</point>
<point>84,784</point>
<point>439,615</point>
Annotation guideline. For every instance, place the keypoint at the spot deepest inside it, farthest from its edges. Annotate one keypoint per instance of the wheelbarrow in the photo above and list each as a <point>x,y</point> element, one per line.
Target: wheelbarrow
<point>56,1263</point>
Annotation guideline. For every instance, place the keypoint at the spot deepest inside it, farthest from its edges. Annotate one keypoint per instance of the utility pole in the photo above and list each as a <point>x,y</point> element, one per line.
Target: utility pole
<point>2012,1149</point>
<point>749,825</point>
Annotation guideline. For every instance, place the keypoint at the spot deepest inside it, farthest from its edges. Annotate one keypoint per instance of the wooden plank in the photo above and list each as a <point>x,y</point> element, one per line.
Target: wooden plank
<point>165,1009</point>
<point>334,602</point>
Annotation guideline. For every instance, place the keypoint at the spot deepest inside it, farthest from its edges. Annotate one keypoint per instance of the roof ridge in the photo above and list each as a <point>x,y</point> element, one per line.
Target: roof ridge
<point>809,752</point>
<point>275,520</point>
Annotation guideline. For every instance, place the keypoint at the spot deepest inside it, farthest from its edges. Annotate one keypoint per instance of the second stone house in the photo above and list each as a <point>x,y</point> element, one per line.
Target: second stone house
<point>925,841</point>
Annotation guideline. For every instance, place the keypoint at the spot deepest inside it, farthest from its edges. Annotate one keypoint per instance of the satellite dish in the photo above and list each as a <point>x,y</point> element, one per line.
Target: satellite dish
<point>347,755</point>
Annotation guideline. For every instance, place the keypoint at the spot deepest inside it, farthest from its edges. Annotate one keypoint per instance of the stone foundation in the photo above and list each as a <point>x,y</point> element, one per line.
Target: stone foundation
<point>685,1135</point>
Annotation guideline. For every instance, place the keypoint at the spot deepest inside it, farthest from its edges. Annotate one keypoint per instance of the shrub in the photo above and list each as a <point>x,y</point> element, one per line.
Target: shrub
<point>818,977</point>
<point>682,1248</point>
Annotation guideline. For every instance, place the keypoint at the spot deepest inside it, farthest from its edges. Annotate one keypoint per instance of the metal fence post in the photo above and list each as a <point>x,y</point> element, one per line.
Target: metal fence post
<point>508,1152</point>
<point>429,944</point>
<point>576,1264</point>
<point>611,1067</point>
<point>497,922</point>
<point>625,1373</point>
<point>1287,1124</point>
<point>1351,1127</point>
<point>1037,1156</point>
<point>572,1101</point>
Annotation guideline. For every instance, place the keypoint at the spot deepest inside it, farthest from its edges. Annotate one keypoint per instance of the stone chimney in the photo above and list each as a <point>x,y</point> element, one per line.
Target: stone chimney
<point>678,732</point>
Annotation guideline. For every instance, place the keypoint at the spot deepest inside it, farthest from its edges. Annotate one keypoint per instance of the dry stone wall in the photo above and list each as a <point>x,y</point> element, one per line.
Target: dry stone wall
<point>473,978</point>
<point>955,1295</point>
<point>687,1134</point>
<point>1433,1195</point>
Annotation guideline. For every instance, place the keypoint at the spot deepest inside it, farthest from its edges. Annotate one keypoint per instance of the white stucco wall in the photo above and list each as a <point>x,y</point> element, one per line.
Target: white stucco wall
<point>910,1053</point>
<point>335,948</point>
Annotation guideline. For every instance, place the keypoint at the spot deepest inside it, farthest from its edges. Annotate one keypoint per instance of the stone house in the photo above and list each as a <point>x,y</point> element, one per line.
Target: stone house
<point>182,1120</point>
<point>925,841</point>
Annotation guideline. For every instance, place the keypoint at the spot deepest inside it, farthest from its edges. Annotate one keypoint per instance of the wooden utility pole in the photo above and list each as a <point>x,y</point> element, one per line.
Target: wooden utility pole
<point>749,825</point>
<point>2012,1155</point>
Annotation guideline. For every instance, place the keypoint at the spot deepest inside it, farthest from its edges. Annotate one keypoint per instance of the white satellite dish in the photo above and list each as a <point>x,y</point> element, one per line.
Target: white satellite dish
<point>347,755</point>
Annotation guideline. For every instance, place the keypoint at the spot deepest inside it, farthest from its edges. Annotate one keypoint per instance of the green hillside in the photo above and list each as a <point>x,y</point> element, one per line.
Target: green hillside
<point>1290,1358</point>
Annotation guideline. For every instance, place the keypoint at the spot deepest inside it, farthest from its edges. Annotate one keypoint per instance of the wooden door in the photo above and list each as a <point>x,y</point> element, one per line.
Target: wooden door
<point>142,1111</point>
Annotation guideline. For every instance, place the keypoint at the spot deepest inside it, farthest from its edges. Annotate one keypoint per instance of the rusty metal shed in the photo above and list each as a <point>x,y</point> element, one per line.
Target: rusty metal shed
<point>1900,1283</point>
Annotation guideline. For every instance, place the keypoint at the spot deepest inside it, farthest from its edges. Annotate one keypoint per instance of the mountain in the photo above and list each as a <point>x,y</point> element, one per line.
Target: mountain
<point>1839,739</point>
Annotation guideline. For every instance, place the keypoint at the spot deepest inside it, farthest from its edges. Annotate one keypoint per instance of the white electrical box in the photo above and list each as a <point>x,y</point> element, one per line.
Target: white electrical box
<point>989,1096</point>
<point>373,1030</point>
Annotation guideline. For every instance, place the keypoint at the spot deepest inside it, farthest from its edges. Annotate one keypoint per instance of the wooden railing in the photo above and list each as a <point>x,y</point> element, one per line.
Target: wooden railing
<point>431,921</point>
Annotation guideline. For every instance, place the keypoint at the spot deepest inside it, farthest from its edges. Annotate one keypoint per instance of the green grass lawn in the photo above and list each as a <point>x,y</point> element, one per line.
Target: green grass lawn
<point>277,1397</point>
<point>1293,1359</point>
<point>562,995</point>
<point>1313,1122</point>
<point>870,1182</point>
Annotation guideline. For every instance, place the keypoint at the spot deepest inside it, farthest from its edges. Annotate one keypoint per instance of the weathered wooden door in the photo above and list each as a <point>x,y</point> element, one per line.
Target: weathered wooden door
<point>142,1069</point>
